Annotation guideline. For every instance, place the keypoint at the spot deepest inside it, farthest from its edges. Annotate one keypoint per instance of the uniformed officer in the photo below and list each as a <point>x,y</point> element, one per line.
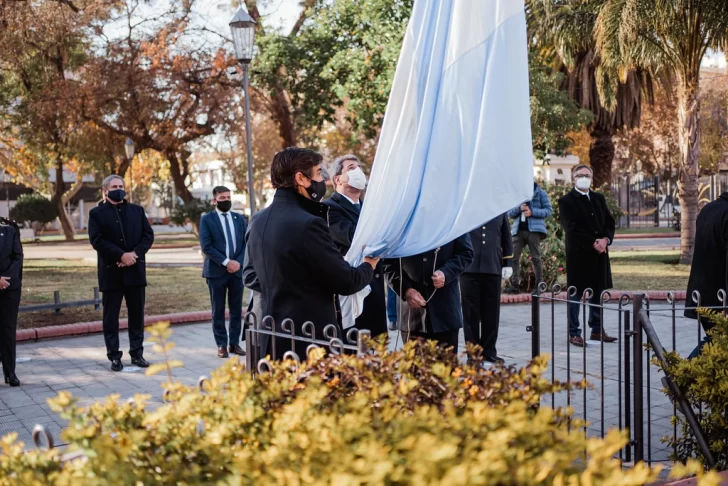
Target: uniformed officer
<point>481,284</point>
<point>11,276</point>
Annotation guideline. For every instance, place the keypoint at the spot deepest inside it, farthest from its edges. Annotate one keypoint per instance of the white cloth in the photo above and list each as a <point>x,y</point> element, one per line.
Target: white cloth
<point>455,148</point>
<point>224,222</point>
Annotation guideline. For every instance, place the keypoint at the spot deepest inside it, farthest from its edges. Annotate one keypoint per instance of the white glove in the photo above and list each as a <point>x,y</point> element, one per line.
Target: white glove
<point>507,272</point>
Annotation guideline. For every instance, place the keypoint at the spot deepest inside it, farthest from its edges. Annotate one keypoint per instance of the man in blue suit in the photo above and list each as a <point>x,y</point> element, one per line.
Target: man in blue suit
<point>222,238</point>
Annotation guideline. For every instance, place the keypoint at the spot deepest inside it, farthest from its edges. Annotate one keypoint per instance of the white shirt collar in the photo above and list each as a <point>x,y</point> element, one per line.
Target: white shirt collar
<point>582,192</point>
<point>350,199</point>
<point>220,213</point>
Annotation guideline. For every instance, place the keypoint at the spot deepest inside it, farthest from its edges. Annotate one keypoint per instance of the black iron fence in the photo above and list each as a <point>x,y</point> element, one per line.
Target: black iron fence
<point>626,389</point>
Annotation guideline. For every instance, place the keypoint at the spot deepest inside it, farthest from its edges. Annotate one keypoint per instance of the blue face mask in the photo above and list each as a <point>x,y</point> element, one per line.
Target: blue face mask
<point>116,195</point>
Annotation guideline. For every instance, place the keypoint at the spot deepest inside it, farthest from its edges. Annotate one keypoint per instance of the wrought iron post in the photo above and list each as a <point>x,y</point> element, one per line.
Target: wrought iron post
<point>535,327</point>
<point>637,355</point>
<point>627,386</point>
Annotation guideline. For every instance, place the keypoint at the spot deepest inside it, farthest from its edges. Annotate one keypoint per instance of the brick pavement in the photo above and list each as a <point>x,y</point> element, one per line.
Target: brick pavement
<point>79,365</point>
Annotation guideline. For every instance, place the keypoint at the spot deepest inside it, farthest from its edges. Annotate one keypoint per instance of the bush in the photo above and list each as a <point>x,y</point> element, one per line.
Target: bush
<point>191,212</point>
<point>34,208</point>
<point>409,417</point>
<point>703,382</point>
<point>553,247</point>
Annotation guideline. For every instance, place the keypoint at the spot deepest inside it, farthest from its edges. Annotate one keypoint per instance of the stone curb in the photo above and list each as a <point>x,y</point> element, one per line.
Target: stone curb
<point>81,328</point>
<point>644,236</point>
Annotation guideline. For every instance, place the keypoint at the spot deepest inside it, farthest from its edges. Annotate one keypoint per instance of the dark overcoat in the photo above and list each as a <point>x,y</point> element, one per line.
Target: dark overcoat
<point>709,271</point>
<point>294,263</point>
<point>343,218</point>
<point>492,246</point>
<point>11,256</point>
<point>114,230</point>
<point>586,219</point>
<point>444,311</point>
<point>213,244</point>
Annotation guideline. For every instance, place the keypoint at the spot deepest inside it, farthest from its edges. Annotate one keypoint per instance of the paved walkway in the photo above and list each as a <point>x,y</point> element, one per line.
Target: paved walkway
<point>79,365</point>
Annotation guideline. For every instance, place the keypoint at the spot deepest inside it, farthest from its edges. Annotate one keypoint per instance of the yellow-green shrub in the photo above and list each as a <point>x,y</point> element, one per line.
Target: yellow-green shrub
<point>410,417</point>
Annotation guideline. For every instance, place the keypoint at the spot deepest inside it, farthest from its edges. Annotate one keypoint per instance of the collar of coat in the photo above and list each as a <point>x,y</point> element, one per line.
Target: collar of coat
<point>290,195</point>
<point>724,196</point>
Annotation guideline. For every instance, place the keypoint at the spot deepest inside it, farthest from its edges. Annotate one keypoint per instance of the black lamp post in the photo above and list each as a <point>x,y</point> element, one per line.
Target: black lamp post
<point>242,27</point>
<point>129,149</point>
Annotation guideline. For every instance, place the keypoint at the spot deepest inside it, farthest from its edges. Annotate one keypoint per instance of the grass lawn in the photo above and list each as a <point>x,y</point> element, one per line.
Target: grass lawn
<point>649,270</point>
<point>650,230</point>
<point>170,290</point>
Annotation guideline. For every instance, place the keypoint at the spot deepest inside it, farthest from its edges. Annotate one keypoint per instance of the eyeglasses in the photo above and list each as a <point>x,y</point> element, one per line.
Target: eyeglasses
<point>582,176</point>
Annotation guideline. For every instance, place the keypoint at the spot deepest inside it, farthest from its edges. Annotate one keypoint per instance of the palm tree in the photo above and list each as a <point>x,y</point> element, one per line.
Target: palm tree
<point>672,37</point>
<point>567,28</point>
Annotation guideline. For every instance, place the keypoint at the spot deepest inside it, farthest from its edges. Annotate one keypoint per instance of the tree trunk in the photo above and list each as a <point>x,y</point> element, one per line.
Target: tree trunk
<point>283,118</point>
<point>57,199</point>
<point>689,171</point>
<point>601,155</point>
<point>179,174</point>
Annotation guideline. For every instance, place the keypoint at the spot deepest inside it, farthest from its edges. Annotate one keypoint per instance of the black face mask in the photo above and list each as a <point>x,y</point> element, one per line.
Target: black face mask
<point>116,195</point>
<point>316,190</point>
<point>224,206</point>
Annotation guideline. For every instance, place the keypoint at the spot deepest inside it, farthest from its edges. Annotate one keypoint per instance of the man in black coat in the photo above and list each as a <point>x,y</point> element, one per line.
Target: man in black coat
<point>481,283</point>
<point>292,258</point>
<point>709,271</point>
<point>344,210</point>
<point>11,279</point>
<point>121,235</point>
<point>589,229</point>
<point>429,284</point>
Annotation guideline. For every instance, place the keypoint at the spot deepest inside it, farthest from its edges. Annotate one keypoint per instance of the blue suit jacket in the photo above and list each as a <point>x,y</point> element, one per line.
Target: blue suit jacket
<point>212,241</point>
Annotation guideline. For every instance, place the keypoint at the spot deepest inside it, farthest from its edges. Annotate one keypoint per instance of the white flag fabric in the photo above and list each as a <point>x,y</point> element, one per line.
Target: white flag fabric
<point>455,149</point>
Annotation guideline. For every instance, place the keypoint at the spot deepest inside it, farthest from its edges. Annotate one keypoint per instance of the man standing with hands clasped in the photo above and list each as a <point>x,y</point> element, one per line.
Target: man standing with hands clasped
<point>589,229</point>
<point>121,235</point>
<point>222,238</point>
<point>11,276</point>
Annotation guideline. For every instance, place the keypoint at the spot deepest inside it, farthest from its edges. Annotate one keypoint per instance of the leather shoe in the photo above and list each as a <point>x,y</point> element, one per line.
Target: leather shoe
<point>222,352</point>
<point>494,359</point>
<point>11,379</point>
<point>577,341</point>
<point>511,290</point>
<point>140,362</point>
<point>237,350</point>
<point>116,365</point>
<point>602,337</point>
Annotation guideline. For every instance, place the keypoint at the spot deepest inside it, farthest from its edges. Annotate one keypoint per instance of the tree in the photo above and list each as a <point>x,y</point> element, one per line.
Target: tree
<point>34,208</point>
<point>669,36</point>
<point>567,28</point>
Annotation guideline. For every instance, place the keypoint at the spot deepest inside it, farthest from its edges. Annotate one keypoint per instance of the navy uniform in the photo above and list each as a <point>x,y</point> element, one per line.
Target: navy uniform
<point>481,283</point>
<point>11,267</point>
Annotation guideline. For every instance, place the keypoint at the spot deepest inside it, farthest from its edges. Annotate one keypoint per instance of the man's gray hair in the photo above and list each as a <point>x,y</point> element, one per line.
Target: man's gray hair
<point>337,166</point>
<point>579,167</point>
<point>107,181</point>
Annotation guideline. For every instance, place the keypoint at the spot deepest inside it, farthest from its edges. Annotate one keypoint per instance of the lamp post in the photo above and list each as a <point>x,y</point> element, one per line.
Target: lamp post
<point>129,149</point>
<point>242,27</point>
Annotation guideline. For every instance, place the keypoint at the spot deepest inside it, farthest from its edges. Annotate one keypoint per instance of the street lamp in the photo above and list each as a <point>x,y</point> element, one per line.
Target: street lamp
<point>242,27</point>
<point>129,149</point>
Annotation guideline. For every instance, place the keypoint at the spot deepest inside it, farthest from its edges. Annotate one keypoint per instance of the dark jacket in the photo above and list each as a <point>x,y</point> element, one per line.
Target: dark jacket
<point>585,220</point>
<point>11,256</point>
<point>343,218</point>
<point>709,271</point>
<point>540,210</point>
<point>213,243</point>
<point>444,312</point>
<point>492,246</point>
<point>297,265</point>
<point>113,231</point>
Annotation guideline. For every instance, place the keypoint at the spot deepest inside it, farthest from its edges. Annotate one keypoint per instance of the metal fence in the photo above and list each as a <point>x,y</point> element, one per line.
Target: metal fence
<point>626,389</point>
<point>57,304</point>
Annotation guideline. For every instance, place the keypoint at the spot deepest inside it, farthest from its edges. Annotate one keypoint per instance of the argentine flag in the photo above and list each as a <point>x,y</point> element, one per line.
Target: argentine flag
<point>455,149</point>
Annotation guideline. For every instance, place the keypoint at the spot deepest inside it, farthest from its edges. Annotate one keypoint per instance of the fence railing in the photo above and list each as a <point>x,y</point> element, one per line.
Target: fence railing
<point>626,389</point>
<point>57,304</point>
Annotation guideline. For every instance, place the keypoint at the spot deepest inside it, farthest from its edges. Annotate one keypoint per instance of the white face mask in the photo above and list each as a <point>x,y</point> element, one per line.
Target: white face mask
<point>583,183</point>
<point>357,179</point>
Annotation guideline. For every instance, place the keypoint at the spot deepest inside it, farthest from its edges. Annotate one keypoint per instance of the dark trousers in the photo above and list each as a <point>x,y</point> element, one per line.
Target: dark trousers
<point>445,338</point>
<point>595,315</point>
<point>481,310</point>
<point>533,240</point>
<point>230,287</point>
<point>9,303</point>
<point>134,297</point>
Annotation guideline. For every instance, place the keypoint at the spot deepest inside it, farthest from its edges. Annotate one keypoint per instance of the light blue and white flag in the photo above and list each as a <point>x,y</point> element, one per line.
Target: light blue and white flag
<point>455,149</point>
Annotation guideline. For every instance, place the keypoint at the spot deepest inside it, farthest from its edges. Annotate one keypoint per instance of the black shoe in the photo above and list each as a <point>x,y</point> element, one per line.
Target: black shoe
<point>116,365</point>
<point>140,362</point>
<point>222,352</point>
<point>494,359</point>
<point>11,379</point>
<point>237,350</point>
<point>511,290</point>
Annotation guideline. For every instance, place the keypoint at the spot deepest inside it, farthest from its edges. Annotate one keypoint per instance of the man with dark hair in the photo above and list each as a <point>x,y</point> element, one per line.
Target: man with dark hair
<point>121,235</point>
<point>222,239</point>
<point>11,279</point>
<point>292,258</point>
<point>589,229</point>
<point>344,210</point>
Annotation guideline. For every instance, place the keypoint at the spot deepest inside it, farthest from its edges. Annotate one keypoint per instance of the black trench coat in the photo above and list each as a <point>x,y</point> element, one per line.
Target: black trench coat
<point>585,220</point>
